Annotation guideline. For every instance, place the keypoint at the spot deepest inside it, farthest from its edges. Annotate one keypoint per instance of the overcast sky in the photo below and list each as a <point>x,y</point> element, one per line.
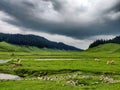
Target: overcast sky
<point>74,22</point>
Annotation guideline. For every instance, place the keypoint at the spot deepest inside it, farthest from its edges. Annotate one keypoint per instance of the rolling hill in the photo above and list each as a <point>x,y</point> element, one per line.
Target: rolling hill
<point>115,40</point>
<point>15,48</point>
<point>109,47</point>
<point>34,41</point>
<point>7,47</point>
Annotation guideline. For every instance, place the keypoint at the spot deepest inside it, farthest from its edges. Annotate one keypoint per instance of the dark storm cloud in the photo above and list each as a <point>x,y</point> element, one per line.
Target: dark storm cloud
<point>62,17</point>
<point>117,7</point>
<point>31,5</point>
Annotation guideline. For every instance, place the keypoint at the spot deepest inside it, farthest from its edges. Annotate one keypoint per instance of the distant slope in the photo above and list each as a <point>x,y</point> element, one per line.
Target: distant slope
<point>100,42</point>
<point>33,40</point>
<point>6,47</point>
<point>110,48</point>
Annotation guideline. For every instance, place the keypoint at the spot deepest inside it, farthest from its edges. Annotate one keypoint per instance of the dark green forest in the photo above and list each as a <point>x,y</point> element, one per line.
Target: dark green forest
<point>33,40</point>
<point>99,42</point>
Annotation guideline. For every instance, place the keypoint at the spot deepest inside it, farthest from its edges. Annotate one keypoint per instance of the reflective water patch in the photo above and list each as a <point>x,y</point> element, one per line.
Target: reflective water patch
<point>9,77</point>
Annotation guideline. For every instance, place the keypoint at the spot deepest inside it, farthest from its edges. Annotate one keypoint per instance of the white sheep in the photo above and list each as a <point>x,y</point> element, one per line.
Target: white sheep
<point>96,59</point>
<point>19,61</point>
<point>111,62</point>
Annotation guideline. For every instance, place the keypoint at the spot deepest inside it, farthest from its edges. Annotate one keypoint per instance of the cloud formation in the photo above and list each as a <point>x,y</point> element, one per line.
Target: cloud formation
<point>74,22</point>
<point>74,18</point>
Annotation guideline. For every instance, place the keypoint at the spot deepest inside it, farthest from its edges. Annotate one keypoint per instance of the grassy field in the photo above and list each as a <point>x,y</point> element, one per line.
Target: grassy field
<point>82,73</point>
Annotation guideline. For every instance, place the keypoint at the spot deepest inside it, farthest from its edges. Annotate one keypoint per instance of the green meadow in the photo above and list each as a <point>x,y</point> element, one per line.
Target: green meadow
<point>47,69</point>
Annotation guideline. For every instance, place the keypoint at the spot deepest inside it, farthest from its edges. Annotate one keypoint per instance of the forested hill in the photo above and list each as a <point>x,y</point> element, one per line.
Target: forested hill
<point>33,40</point>
<point>115,40</point>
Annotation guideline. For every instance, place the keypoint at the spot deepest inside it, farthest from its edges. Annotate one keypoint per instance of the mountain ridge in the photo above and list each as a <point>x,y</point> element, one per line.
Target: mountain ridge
<point>34,40</point>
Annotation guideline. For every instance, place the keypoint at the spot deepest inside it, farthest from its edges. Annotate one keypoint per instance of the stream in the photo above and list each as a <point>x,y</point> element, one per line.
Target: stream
<point>9,77</point>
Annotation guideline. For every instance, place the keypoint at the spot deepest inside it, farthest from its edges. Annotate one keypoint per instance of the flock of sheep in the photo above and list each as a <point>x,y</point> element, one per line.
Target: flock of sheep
<point>108,62</point>
<point>96,59</point>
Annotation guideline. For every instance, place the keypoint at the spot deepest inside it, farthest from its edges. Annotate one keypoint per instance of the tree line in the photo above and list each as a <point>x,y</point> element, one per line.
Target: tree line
<point>33,40</point>
<point>101,41</point>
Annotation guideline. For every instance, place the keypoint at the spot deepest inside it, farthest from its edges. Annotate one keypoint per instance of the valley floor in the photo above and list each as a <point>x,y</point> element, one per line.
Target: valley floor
<point>61,71</point>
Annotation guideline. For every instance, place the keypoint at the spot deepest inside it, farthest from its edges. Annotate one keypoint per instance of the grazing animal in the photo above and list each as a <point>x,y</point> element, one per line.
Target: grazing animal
<point>111,62</point>
<point>96,59</point>
<point>19,61</point>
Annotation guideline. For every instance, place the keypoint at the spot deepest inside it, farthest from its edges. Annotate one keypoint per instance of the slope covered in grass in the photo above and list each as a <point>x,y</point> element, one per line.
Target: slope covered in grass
<point>35,41</point>
<point>110,48</point>
<point>6,47</point>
